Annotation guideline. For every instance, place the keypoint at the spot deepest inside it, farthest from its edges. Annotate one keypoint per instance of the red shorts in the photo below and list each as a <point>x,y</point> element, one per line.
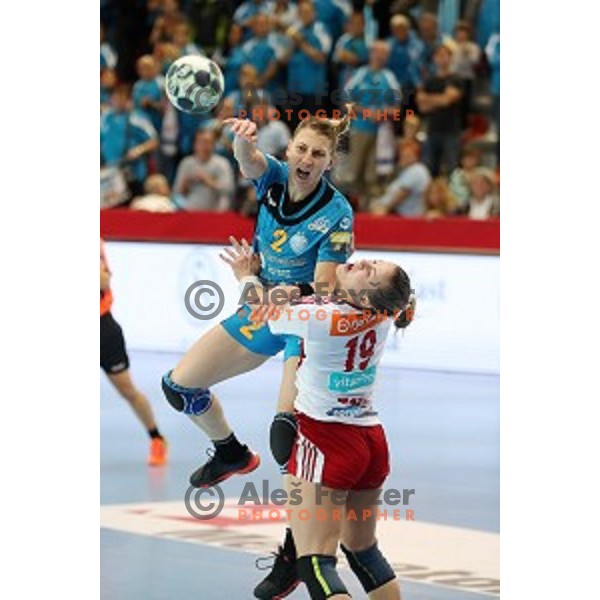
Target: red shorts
<point>340,456</point>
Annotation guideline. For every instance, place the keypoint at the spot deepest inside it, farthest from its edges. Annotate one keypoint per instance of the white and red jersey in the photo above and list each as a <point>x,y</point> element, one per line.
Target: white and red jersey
<point>342,349</point>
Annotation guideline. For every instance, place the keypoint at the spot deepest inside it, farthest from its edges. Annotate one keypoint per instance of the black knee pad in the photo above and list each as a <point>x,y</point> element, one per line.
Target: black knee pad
<point>191,401</point>
<point>320,576</point>
<point>283,435</point>
<point>370,566</point>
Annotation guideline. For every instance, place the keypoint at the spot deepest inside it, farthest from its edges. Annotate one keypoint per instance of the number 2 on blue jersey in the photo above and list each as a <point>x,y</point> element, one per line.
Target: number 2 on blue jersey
<point>281,238</point>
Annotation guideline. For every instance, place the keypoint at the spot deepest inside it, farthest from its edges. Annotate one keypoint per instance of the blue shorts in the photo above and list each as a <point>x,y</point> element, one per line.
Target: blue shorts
<point>257,337</point>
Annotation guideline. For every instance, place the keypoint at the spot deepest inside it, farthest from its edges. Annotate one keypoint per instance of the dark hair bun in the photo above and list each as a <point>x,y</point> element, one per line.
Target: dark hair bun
<point>406,317</point>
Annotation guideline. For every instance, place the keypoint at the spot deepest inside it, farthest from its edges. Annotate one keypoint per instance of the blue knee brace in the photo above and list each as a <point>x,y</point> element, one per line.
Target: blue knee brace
<point>190,401</point>
<point>370,566</point>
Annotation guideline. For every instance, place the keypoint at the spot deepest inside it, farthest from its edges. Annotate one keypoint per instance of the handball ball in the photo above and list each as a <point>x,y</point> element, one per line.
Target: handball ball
<point>194,84</point>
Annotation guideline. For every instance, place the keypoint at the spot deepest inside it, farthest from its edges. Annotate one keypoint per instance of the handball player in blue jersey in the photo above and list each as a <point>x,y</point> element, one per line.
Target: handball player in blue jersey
<point>303,232</point>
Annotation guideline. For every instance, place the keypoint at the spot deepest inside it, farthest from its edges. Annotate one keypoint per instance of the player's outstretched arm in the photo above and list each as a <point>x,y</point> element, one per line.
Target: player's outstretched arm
<point>324,277</point>
<point>252,161</point>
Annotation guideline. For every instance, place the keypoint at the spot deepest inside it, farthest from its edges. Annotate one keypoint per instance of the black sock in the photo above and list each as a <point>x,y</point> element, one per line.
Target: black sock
<point>289,547</point>
<point>154,433</point>
<point>230,449</point>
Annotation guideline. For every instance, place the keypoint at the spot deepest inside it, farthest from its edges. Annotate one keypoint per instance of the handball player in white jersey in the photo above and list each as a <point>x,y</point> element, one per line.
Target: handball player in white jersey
<point>341,444</point>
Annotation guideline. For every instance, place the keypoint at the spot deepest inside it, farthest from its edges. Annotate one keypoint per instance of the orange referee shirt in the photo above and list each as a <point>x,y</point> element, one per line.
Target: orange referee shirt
<point>106,297</point>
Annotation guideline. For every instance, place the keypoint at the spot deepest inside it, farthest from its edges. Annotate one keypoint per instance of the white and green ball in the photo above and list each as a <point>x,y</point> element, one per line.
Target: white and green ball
<point>194,84</point>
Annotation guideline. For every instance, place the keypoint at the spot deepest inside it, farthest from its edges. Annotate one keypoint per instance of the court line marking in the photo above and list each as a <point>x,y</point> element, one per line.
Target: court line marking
<point>439,555</point>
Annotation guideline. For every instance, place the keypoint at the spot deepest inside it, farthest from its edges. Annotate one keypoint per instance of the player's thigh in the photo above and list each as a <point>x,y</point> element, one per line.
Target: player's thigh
<point>360,533</point>
<point>316,521</point>
<point>216,356</point>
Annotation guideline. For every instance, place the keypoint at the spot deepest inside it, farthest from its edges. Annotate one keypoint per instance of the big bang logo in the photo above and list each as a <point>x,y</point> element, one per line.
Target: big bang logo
<point>340,241</point>
<point>353,323</point>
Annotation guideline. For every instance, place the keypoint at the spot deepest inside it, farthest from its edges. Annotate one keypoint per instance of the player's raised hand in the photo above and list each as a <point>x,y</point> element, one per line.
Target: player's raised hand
<point>243,128</point>
<point>241,258</point>
<point>251,160</point>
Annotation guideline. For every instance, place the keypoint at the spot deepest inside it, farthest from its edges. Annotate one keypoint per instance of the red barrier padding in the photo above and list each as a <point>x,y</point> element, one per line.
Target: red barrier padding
<point>371,232</point>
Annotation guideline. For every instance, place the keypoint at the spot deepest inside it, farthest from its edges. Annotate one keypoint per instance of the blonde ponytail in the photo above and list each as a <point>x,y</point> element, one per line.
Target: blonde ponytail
<point>342,125</point>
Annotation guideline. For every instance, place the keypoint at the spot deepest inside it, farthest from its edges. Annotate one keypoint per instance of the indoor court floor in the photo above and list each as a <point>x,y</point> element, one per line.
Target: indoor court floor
<point>443,430</point>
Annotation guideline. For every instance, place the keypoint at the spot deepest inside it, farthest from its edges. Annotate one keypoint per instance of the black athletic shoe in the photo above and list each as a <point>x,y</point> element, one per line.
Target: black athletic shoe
<point>281,581</point>
<point>217,470</point>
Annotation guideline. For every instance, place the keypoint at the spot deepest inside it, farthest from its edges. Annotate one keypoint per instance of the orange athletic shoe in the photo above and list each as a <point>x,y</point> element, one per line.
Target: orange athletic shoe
<point>158,452</point>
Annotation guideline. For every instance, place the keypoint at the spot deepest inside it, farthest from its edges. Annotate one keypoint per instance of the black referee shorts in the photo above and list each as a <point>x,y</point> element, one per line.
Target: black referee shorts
<point>113,355</point>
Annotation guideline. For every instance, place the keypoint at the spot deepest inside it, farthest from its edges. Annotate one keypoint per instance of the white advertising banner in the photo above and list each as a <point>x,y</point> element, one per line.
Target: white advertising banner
<point>456,325</point>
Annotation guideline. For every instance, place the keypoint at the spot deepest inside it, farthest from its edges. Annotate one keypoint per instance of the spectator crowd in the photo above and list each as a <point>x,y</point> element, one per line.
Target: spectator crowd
<point>420,78</point>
